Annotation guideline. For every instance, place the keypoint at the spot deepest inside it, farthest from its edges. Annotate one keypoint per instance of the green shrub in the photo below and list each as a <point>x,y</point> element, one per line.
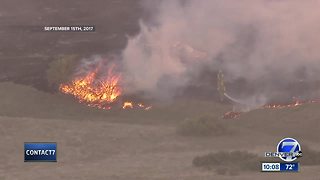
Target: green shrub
<point>204,126</point>
<point>61,69</point>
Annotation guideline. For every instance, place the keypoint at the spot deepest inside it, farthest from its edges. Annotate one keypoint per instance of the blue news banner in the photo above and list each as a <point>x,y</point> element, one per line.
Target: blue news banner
<point>280,167</point>
<point>40,152</point>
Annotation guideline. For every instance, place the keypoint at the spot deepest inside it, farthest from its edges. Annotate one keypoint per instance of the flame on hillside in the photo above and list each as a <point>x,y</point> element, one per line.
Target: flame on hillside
<point>99,92</point>
<point>296,103</point>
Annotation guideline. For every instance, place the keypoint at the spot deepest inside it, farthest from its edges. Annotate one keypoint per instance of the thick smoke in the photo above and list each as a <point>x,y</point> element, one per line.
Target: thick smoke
<point>271,46</point>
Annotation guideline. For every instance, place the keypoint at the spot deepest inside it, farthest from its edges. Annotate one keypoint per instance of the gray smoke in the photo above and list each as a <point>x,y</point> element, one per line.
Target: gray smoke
<point>267,44</point>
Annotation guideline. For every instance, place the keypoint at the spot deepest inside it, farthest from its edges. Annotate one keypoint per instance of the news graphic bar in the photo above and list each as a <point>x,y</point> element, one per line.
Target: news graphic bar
<point>280,167</point>
<point>77,28</point>
<point>270,167</point>
<point>289,167</point>
<point>40,152</point>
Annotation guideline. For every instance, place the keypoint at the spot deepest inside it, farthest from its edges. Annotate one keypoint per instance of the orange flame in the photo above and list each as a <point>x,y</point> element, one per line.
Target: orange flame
<point>95,93</point>
<point>281,106</point>
<point>100,93</point>
<point>127,105</point>
<point>234,115</point>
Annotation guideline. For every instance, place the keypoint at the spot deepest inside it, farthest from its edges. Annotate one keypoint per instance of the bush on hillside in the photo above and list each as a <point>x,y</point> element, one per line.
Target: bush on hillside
<point>203,126</point>
<point>228,162</point>
<point>61,69</point>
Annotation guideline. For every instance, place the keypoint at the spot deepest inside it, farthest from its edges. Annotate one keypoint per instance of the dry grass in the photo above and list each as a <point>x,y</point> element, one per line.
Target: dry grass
<point>310,157</point>
<point>203,126</point>
<point>228,162</point>
<point>25,101</point>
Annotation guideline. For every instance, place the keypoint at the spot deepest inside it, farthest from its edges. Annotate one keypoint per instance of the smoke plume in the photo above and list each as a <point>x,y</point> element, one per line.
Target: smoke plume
<point>270,46</point>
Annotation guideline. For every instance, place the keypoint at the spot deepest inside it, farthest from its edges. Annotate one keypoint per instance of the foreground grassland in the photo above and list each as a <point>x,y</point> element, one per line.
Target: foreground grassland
<point>185,139</point>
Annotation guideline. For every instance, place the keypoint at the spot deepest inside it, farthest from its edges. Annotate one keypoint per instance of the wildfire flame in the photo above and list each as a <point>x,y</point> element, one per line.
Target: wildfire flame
<point>235,115</point>
<point>96,93</point>
<point>281,106</point>
<point>100,93</point>
<point>131,105</point>
<point>127,105</point>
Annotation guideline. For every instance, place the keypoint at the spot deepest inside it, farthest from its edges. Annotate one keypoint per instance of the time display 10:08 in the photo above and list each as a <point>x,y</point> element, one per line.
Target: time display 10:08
<point>270,167</point>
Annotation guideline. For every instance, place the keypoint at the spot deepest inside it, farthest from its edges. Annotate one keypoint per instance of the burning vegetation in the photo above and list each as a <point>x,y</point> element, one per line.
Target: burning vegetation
<point>293,104</point>
<point>296,103</point>
<point>102,93</point>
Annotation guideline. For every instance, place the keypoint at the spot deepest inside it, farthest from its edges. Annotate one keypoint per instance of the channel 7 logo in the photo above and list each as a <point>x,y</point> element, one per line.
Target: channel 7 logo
<point>288,150</point>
